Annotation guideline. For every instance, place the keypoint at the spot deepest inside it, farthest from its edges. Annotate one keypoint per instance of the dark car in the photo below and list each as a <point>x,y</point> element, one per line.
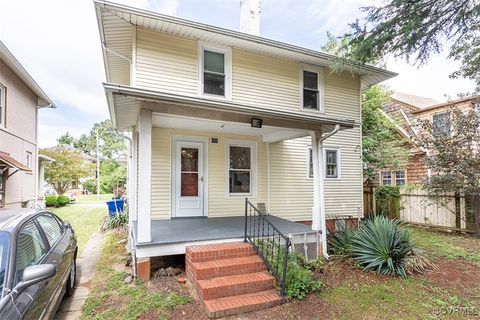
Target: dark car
<point>37,263</point>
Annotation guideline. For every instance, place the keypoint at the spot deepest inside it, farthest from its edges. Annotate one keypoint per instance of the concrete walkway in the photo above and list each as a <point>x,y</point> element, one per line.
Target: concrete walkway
<point>71,307</point>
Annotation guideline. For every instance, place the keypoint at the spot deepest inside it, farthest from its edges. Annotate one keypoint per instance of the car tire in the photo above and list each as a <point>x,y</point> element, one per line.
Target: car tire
<point>72,280</point>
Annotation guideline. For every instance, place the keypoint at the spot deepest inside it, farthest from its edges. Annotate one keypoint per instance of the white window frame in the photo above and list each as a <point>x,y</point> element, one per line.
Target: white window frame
<point>446,112</point>
<point>28,159</point>
<point>393,177</point>
<point>339,162</point>
<point>321,87</point>
<point>3,103</point>
<point>227,52</point>
<point>253,167</point>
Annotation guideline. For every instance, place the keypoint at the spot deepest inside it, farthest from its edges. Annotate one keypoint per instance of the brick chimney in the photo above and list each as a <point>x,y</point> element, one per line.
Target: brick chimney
<point>250,16</point>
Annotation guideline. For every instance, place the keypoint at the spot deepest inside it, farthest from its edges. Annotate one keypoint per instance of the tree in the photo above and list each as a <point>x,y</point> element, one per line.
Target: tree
<point>66,139</point>
<point>454,156</point>
<point>112,176</point>
<point>70,165</point>
<point>415,29</point>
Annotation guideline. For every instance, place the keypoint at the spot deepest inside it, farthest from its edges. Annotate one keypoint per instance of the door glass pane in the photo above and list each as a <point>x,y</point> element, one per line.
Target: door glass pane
<point>239,181</point>
<point>30,248</point>
<point>213,61</point>
<point>189,172</point>
<point>189,160</point>
<point>240,158</point>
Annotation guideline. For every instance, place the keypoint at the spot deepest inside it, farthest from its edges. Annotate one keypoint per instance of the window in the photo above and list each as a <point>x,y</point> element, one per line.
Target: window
<point>241,168</point>
<point>51,228</point>
<point>332,163</point>
<point>441,123</point>
<point>28,159</point>
<point>310,90</point>
<point>2,105</point>
<point>394,178</point>
<point>30,248</point>
<point>215,71</point>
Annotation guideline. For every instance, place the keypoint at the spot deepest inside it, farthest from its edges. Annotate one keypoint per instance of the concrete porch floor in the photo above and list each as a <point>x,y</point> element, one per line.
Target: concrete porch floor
<point>187,230</point>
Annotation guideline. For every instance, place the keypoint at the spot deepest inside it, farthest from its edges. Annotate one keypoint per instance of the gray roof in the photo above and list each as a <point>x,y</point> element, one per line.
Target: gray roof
<point>413,100</point>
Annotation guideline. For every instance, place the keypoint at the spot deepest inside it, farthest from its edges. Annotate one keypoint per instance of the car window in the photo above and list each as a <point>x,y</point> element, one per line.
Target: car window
<point>50,226</point>
<point>30,248</point>
<point>4,250</point>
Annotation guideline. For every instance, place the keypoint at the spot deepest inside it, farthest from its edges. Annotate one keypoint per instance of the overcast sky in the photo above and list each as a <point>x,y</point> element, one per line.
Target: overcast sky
<point>57,41</point>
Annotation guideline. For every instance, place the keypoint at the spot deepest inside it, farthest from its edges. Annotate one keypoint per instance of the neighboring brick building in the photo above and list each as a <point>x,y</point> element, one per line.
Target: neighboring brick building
<point>406,110</point>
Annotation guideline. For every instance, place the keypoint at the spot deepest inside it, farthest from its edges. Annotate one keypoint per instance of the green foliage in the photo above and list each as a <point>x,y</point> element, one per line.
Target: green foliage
<point>112,175</point>
<point>63,201</point>
<point>382,245</point>
<point>66,139</point>
<point>340,240</point>
<point>119,222</point>
<point>415,30</point>
<point>51,201</point>
<point>299,281</point>
<point>388,201</point>
<point>70,165</point>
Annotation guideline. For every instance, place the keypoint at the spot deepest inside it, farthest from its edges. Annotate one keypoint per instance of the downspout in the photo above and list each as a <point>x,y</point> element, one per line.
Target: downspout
<point>322,189</point>
<point>268,177</point>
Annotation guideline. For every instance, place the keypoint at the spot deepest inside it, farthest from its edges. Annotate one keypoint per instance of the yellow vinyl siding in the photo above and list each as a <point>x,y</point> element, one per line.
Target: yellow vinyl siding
<point>291,191</point>
<point>342,95</point>
<point>166,63</point>
<point>219,205</point>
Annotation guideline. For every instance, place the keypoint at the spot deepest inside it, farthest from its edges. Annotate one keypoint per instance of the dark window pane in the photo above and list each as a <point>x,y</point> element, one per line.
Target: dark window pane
<point>310,99</point>
<point>239,181</point>
<point>331,157</point>
<point>189,158</point>
<point>240,158</point>
<point>52,229</point>
<point>213,61</point>
<point>310,80</point>
<point>30,248</point>
<point>189,184</point>
<point>214,84</point>
<point>441,123</point>
<point>310,163</point>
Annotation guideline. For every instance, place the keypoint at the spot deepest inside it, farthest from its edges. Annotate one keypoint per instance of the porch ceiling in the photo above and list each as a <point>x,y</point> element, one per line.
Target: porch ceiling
<point>268,133</point>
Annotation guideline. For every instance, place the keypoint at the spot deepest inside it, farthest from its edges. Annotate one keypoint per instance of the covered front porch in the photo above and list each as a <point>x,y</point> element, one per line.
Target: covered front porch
<point>170,237</point>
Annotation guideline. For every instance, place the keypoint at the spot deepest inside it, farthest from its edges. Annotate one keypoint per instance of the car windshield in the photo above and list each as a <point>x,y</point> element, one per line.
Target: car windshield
<point>4,249</point>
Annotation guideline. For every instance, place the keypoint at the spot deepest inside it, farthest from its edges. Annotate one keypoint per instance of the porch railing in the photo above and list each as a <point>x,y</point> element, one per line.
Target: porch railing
<point>269,242</point>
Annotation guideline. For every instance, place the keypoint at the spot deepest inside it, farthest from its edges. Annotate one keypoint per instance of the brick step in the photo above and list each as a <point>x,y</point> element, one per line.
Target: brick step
<point>228,306</point>
<point>235,285</point>
<point>225,267</point>
<point>219,251</point>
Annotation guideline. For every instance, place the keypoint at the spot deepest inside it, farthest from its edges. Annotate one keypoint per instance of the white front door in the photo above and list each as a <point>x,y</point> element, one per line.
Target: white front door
<point>189,190</point>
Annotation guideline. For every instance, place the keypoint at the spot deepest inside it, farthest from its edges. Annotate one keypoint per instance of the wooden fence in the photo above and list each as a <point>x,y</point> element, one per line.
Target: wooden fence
<point>446,211</point>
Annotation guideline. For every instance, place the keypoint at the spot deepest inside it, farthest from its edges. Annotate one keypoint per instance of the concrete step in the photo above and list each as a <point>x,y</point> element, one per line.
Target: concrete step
<point>228,306</point>
<point>235,285</point>
<point>225,267</point>
<point>218,251</point>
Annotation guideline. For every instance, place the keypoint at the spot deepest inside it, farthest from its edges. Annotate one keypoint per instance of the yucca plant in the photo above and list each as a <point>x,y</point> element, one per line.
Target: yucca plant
<point>382,245</point>
<point>340,240</point>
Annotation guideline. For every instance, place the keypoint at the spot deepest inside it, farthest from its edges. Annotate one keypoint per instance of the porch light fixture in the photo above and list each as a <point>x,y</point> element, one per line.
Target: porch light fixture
<point>256,123</point>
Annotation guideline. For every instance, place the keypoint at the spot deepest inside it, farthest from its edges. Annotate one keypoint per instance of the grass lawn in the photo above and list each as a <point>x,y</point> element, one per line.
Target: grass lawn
<point>85,220</point>
<point>112,298</point>
<point>94,197</point>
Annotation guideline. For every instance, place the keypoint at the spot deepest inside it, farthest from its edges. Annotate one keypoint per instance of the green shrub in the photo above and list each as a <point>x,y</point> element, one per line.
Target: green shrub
<point>118,223</point>
<point>51,201</point>
<point>388,201</point>
<point>63,201</point>
<point>382,245</point>
<point>340,240</point>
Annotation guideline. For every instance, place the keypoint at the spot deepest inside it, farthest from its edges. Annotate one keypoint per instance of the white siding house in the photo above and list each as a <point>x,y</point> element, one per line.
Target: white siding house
<point>191,97</point>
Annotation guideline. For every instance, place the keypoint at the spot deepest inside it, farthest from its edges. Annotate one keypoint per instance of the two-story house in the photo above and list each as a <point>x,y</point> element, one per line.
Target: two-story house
<point>20,99</point>
<point>216,116</point>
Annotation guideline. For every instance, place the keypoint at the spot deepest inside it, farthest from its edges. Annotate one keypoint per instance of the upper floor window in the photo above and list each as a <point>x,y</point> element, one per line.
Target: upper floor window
<point>441,123</point>
<point>312,88</point>
<point>2,105</point>
<point>215,71</point>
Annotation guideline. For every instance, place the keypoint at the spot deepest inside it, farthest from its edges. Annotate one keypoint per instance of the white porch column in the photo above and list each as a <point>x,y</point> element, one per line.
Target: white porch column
<point>144,184</point>
<point>318,210</point>
<point>132,178</point>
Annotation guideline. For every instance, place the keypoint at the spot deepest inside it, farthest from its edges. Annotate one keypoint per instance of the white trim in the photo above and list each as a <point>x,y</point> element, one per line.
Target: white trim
<point>393,177</point>
<point>3,105</point>
<point>173,141</point>
<point>253,169</point>
<point>321,87</point>
<point>339,162</point>
<point>133,62</point>
<point>227,52</point>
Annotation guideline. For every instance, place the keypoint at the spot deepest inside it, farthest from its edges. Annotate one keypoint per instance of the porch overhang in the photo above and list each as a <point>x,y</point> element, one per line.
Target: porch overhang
<point>125,103</point>
<point>7,162</point>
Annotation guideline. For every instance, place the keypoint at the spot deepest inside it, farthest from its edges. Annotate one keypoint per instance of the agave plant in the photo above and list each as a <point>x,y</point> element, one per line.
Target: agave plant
<point>340,240</point>
<point>382,245</point>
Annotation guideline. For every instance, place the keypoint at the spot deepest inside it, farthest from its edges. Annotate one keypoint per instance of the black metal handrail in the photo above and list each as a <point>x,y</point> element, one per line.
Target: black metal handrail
<point>269,242</point>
